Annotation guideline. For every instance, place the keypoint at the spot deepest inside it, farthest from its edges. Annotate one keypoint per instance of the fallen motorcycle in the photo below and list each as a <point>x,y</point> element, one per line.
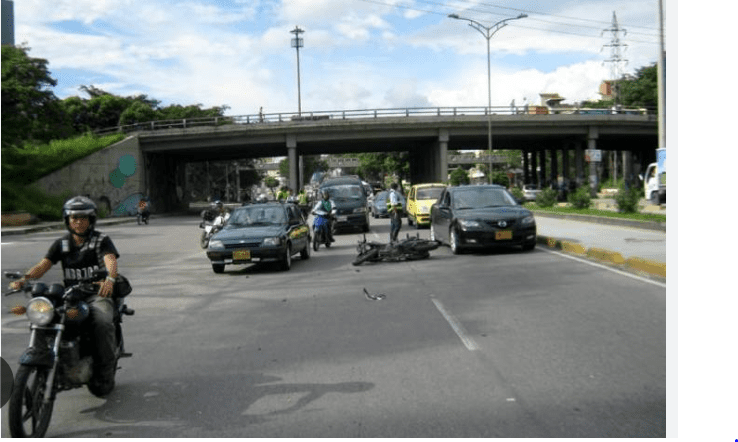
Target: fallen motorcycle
<point>408,249</point>
<point>59,356</point>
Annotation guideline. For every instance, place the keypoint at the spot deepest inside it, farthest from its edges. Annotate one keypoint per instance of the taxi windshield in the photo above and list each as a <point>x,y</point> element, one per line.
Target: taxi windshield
<point>256,216</point>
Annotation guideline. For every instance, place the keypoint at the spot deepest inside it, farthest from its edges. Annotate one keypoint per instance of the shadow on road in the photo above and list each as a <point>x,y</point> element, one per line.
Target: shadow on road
<point>188,407</point>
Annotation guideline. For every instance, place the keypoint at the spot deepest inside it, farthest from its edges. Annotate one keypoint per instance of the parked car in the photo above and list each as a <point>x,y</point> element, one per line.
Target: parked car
<point>530,192</point>
<point>350,197</point>
<point>481,216</point>
<point>261,232</point>
<point>419,201</point>
<point>379,205</point>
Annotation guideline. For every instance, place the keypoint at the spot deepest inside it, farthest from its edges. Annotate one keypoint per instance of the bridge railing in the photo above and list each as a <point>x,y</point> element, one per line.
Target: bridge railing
<point>292,117</point>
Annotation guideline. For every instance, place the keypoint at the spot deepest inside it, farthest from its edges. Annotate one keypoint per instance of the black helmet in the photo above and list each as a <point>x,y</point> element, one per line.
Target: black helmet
<point>325,194</point>
<point>80,205</point>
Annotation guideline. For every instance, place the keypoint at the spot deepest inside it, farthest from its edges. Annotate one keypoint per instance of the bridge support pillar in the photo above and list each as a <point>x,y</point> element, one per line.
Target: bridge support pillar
<point>579,163</point>
<point>292,157</point>
<point>536,179</point>
<point>554,165</point>
<point>542,165</point>
<point>441,171</point>
<point>592,144</point>
<point>566,170</point>
<point>526,167</point>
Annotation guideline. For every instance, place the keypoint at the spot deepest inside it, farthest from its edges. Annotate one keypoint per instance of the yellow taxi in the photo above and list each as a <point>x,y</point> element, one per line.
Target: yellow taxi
<point>419,201</point>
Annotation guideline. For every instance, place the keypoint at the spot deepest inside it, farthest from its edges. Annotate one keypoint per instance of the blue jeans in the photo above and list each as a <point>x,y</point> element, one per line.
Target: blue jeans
<point>395,225</point>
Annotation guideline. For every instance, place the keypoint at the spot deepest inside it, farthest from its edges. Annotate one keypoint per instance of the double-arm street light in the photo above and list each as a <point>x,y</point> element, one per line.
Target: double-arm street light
<point>488,32</point>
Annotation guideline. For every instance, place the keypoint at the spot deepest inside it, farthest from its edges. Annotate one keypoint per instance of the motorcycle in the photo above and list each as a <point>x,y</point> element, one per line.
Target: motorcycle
<point>409,249</point>
<point>322,227</point>
<point>59,355</point>
<point>211,228</point>
<point>142,217</point>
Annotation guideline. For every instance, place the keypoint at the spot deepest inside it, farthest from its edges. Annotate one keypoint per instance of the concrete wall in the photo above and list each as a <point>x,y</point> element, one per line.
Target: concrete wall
<point>113,177</point>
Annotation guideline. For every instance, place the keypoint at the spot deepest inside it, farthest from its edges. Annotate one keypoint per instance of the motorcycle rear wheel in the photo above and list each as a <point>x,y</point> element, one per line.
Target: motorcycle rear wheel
<point>362,258</point>
<point>26,406</point>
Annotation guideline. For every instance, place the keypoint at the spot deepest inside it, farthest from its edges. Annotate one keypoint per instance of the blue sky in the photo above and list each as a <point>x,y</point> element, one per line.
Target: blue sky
<point>358,53</point>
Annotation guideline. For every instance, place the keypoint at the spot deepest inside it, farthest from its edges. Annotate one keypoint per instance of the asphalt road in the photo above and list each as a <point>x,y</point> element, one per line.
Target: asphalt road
<point>494,344</point>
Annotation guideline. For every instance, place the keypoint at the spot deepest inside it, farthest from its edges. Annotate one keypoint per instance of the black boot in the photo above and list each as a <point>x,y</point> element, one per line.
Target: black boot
<point>103,380</point>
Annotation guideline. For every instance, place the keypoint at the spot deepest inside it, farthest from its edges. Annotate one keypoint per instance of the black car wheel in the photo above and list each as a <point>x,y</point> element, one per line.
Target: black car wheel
<point>305,253</point>
<point>218,268</point>
<point>454,241</point>
<point>287,258</point>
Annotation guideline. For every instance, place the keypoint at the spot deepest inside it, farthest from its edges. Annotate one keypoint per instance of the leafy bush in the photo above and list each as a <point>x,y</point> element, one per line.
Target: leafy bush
<point>28,199</point>
<point>581,199</point>
<point>547,197</point>
<point>627,199</point>
<point>517,192</point>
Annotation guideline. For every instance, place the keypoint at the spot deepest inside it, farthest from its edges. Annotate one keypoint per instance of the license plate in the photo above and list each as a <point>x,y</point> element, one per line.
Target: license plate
<point>342,218</point>
<point>242,255</point>
<point>503,234</point>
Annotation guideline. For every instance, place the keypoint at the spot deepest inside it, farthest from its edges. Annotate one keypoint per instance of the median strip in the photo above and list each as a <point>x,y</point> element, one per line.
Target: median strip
<point>609,257</point>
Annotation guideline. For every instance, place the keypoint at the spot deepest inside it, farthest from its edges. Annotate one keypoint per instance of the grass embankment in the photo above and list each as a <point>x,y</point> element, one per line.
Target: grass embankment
<point>595,212</point>
<point>22,167</point>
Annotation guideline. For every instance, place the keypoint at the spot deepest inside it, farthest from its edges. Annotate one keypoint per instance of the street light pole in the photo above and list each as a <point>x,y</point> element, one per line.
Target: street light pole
<point>487,32</point>
<point>297,44</point>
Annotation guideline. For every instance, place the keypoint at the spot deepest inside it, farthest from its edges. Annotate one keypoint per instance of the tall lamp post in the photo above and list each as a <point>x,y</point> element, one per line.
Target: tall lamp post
<point>488,32</point>
<point>297,44</point>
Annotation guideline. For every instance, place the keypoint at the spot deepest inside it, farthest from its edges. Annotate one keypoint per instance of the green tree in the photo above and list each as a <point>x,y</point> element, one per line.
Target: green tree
<point>458,176</point>
<point>641,91</point>
<point>30,110</point>
<point>272,183</point>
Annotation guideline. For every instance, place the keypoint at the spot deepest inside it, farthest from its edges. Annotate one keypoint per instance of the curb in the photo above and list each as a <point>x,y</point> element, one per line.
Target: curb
<point>649,225</point>
<point>639,266</point>
<point>61,226</point>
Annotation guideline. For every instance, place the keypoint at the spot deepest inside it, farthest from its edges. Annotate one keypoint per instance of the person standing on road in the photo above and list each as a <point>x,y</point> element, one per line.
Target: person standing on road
<point>394,207</point>
<point>82,251</point>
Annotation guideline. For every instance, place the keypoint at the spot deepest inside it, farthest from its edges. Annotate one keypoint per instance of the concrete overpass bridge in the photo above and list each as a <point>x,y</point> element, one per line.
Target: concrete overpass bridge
<point>427,134</point>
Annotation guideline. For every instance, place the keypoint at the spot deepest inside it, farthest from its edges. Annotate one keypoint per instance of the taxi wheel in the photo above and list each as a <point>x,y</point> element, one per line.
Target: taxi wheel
<point>287,258</point>
<point>305,253</point>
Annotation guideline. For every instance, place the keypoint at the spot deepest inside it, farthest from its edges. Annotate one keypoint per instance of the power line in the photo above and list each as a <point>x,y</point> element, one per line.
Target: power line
<point>482,11</point>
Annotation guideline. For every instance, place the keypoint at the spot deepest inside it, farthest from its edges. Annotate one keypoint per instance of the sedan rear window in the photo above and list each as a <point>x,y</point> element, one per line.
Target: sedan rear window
<point>431,193</point>
<point>482,197</point>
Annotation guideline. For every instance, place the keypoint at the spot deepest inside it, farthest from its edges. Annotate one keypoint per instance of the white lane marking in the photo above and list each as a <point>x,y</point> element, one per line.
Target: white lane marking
<point>456,325</point>
<point>602,266</point>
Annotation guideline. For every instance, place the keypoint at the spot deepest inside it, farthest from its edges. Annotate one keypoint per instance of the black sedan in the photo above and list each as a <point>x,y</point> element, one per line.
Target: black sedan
<point>261,232</point>
<point>469,217</point>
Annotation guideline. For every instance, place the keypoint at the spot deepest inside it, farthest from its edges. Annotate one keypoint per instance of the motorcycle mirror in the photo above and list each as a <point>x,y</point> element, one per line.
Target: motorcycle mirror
<point>13,275</point>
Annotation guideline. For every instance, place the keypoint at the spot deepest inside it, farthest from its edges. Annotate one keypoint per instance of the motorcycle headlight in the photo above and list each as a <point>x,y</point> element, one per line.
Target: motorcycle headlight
<point>469,224</point>
<point>271,242</point>
<point>40,311</point>
<point>529,220</point>
<point>215,244</point>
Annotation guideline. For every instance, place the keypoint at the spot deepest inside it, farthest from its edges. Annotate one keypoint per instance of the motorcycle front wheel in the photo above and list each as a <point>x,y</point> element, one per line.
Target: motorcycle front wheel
<point>364,257</point>
<point>28,415</point>
<point>204,240</point>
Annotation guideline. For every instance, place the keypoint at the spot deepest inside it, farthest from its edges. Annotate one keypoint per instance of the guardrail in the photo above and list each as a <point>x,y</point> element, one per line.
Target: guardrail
<point>285,117</point>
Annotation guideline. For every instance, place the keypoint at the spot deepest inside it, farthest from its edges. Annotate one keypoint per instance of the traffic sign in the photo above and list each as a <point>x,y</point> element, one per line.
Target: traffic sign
<point>593,155</point>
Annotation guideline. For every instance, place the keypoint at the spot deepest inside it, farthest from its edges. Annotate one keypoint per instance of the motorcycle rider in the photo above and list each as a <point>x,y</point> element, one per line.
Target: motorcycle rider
<point>326,204</point>
<point>82,251</point>
<point>394,207</point>
<point>143,208</point>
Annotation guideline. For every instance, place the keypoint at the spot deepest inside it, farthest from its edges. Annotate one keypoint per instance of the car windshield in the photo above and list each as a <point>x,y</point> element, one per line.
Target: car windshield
<point>430,193</point>
<point>480,198</point>
<point>256,216</point>
<point>344,191</point>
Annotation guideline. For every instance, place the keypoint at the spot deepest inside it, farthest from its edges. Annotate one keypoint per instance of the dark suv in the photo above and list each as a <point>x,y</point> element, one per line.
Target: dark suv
<point>350,197</point>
